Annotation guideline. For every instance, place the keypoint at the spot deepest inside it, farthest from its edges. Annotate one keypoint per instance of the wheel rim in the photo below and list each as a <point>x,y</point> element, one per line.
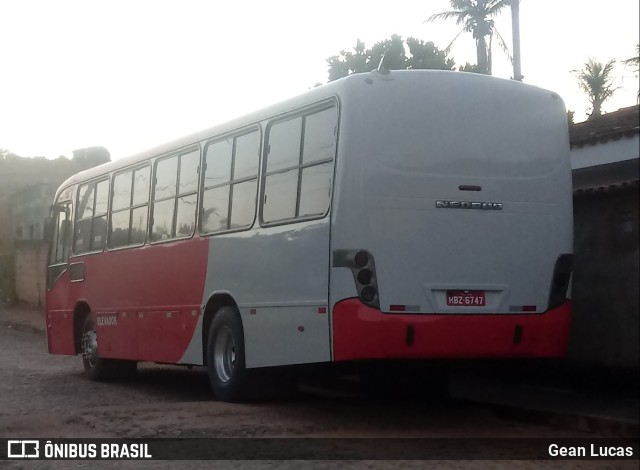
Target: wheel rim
<point>224,354</point>
<point>90,347</point>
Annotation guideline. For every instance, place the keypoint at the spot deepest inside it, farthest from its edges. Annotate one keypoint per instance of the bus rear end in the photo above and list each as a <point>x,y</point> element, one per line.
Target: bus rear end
<point>452,219</point>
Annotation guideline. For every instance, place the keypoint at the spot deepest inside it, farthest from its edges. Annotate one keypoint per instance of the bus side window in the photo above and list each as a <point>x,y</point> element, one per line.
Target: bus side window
<point>299,166</point>
<point>91,222</point>
<point>140,206</point>
<point>319,146</point>
<point>230,183</point>
<point>244,180</point>
<point>129,208</point>
<point>62,236</point>
<point>99,221</point>
<point>187,194</point>
<point>315,190</point>
<point>175,196</point>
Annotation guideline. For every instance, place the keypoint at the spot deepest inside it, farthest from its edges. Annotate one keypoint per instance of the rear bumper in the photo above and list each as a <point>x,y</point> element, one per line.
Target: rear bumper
<point>362,332</point>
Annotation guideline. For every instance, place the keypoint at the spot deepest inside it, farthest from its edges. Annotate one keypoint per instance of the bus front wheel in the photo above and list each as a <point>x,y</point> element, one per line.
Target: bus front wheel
<point>97,368</point>
<point>225,356</point>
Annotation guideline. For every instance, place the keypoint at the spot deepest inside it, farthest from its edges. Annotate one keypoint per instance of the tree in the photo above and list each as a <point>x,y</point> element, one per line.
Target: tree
<point>473,68</point>
<point>596,81</point>
<point>395,57</point>
<point>348,62</point>
<point>475,18</point>
<point>634,62</point>
<point>7,154</point>
<point>423,55</point>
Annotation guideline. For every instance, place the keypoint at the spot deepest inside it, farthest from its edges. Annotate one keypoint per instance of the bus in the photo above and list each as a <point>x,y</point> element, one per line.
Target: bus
<point>414,215</point>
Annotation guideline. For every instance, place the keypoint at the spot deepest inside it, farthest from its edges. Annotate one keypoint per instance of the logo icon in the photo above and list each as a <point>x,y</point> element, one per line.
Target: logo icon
<point>23,449</point>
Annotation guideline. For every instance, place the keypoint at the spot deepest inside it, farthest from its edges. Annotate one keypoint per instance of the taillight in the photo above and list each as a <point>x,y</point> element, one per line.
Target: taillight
<point>364,277</point>
<point>560,282</point>
<point>361,259</point>
<point>368,294</point>
<point>363,268</point>
<point>364,273</point>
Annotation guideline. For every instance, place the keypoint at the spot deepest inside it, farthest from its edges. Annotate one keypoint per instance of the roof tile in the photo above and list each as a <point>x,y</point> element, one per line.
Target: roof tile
<point>611,126</point>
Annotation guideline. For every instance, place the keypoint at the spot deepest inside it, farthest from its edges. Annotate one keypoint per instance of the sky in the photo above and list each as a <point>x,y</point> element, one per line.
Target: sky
<point>132,74</point>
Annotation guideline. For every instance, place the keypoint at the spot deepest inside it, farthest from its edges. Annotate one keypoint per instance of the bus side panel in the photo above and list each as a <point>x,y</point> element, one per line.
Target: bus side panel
<point>117,333</point>
<point>362,332</point>
<point>279,277</point>
<point>160,334</point>
<point>145,298</point>
<point>59,318</point>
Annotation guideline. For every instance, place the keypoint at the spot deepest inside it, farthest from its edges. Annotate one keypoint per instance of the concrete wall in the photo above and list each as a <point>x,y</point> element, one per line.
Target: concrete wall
<point>6,227</point>
<point>30,272</point>
<point>605,327</point>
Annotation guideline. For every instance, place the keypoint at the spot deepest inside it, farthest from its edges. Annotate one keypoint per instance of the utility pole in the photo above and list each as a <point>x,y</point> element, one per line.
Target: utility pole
<point>515,26</point>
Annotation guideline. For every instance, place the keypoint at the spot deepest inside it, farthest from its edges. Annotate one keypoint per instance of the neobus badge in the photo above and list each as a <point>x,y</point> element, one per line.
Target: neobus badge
<point>496,206</point>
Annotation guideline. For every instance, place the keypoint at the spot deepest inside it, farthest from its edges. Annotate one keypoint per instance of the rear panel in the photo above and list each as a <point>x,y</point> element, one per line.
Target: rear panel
<point>459,187</point>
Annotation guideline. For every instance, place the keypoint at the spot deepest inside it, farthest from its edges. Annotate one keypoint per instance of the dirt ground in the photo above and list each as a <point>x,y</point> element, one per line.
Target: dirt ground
<point>48,396</point>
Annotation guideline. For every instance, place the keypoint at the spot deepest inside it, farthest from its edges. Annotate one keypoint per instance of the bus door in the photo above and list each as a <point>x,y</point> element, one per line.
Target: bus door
<point>59,311</point>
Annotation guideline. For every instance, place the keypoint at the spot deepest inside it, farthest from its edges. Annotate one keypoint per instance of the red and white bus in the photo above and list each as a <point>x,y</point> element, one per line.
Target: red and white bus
<point>410,214</point>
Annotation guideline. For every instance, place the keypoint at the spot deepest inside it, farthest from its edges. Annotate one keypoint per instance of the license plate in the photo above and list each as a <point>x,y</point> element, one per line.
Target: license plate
<point>465,298</point>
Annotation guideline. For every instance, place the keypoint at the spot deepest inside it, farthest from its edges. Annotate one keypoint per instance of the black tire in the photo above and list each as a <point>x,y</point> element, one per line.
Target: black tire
<point>96,368</point>
<point>228,375</point>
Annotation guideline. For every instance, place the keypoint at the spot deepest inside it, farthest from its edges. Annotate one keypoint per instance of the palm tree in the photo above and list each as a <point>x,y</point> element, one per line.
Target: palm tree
<point>475,17</point>
<point>596,81</point>
<point>635,60</point>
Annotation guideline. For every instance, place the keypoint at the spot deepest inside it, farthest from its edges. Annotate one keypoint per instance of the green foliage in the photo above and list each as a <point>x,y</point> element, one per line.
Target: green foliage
<point>570,115</point>
<point>395,57</point>
<point>475,18</point>
<point>635,60</point>
<point>596,80</point>
<point>423,55</point>
<point>348,63</point>
<point>6,155</point>
<point>473,68</point>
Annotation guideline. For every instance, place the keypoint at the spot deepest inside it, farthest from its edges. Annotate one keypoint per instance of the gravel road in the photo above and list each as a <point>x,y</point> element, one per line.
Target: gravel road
<point>48,396</point>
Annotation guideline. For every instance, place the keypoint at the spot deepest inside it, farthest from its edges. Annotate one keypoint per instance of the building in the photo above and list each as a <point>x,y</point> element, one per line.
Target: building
<point>605,160</point>
<point>29,209</point>
<point>27,188</point>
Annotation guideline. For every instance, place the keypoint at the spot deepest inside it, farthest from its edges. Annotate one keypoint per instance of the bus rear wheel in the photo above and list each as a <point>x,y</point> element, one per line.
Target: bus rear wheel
<point>225,356</point>
<point>95,367</point>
